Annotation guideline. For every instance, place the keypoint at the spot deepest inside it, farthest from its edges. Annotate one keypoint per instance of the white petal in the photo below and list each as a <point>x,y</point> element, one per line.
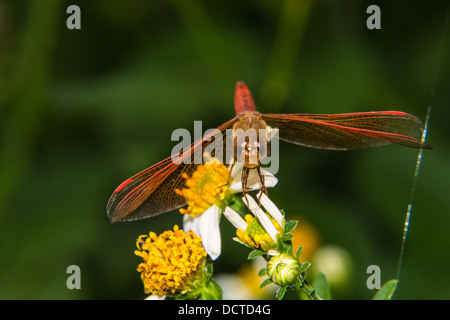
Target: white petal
<point>271,208</point>
<point>210,231</point>
<point>191,224</point>
<point>206,226</point>
<point>235,219</point>
<point>262,217</point>
<point>253,179</point>
<point>236,177</point>
<point>236,171</point>
<point>270,180</point>
<point>155,296</point>
<point>250,203</point>
<point>273,252</point>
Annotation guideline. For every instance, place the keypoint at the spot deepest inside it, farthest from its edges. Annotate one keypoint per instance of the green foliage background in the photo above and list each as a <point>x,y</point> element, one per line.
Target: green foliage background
<point>82,110</point>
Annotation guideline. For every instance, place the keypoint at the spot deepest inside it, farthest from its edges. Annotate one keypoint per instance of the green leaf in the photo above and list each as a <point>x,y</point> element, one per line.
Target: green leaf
<point>280,293</point>
<point>284,247</point>
<point>290,225</point>
<point>321,286</point>
<point>299,252</point>
<point>265,283</point>
<point>262,272</point>
<point>254,254</point>
<point>387,290</point>
<point>305,266</point>
<point>288,237</point>
<point>287,248</point>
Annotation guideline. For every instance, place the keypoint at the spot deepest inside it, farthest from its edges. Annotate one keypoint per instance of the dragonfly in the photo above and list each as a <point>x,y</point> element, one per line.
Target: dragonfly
<point>152,191</point>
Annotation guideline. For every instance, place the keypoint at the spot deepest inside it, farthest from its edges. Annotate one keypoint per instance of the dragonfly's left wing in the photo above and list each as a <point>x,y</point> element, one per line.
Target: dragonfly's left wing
<point>152,191</point>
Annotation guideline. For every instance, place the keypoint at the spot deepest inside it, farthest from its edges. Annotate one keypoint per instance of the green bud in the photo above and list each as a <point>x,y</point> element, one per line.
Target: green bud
<point>283,269</point>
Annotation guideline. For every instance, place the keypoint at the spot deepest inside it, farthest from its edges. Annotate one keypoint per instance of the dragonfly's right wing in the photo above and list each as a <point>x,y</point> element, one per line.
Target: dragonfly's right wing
<point>348,131</point>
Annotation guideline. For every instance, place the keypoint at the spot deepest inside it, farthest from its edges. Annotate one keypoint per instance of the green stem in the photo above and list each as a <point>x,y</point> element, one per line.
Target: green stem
<point>307,289</point>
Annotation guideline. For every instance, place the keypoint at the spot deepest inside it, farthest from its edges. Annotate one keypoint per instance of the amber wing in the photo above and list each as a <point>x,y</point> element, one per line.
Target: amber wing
<point>152,191</point>
<point>347,131</point>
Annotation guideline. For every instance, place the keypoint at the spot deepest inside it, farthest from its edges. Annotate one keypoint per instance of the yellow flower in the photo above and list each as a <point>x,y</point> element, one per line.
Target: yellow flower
<point>254,236</point>
<point>172,261</point>
<point>207,186</point>
<point>261,231</point>
<point>207,192</point>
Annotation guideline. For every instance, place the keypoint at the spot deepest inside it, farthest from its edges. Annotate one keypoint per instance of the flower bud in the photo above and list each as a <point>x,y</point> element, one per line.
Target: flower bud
<point>283,269</point>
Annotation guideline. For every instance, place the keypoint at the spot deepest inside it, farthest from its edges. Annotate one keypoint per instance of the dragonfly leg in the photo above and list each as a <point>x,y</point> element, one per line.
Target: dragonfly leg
<point>245,173</point>
<point>261,178</point>
<point>244,178</point>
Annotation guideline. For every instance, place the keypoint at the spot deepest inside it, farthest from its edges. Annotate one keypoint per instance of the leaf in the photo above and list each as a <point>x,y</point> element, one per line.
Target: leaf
<point>288,237</point>
<point>285,247</point>
<point>290,249</point>
<point>254,254</point>
<point>290,225</point>
<point>299,252</point>
<point>262,272</point>
<point>387,290</point>
<point>265,283</point>
<point>305,266</point>
<point>280,293</point>
<point>321,286</point>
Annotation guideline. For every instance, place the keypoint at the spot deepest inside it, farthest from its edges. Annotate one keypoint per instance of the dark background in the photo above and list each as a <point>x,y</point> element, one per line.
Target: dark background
<point>82,110</point>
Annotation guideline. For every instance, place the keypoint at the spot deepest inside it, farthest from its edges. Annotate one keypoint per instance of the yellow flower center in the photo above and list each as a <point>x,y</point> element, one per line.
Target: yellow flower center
<point>255,236</point>
<point>170,261</point>
<point>207,186</point>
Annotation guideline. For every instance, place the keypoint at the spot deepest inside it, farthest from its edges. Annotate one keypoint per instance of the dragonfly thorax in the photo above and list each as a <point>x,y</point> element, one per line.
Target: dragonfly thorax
<point>250,139</point>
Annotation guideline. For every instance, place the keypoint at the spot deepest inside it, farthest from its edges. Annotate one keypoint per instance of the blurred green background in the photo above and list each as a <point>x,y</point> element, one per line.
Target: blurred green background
<point>82,110</point>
